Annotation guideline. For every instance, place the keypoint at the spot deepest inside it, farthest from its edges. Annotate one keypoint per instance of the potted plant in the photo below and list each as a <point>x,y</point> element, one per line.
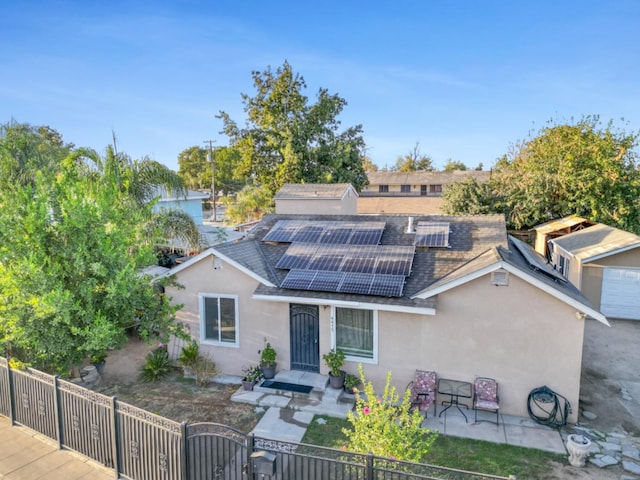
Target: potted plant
<point>98,360</point>
<point>252,375</point>
<point>351,381</point>
<point>335,360</point>
<point>268,361</point>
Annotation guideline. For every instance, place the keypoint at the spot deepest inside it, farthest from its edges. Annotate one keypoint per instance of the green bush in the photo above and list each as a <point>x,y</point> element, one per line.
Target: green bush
<point>157,365</point>
<point>386,426</point>
<point>189,354</point>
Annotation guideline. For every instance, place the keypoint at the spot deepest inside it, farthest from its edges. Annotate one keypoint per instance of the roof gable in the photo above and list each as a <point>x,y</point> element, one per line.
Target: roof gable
<point>597,241</point>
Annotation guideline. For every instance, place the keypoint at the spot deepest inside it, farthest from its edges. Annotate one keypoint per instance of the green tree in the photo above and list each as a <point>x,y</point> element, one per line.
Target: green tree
<point>252,203</point>
<point>453,165</point>
<point>227,162</point>
<point>386,426</point>
<point>584,168</point>
<point>289,140</point>
<point>468,197</point>
<point>26,149</point>
<point>194,168</point>
<point>368,166</point>
<point>413,161</point>
<point>73,241</point>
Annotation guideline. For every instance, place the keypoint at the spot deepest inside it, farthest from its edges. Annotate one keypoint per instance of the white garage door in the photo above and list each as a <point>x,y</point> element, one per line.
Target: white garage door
<point>621,293</point>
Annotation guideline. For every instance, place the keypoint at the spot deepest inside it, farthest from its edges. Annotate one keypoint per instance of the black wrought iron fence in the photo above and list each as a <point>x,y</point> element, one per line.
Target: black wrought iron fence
<point>139,445</point>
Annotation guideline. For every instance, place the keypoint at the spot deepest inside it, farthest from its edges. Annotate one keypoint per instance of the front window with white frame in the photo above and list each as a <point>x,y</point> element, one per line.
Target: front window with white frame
<point>356,334</point>
<point>219,319</point>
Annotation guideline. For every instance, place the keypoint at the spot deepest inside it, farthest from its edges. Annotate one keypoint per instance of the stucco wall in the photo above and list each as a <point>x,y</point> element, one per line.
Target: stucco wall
<point>521,336</point>
<point>592,272</point>
<point>517,334</point>
<point>346,206</point>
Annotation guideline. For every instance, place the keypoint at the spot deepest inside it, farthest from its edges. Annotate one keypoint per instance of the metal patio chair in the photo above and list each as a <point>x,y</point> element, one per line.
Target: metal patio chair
<point>423,391</point>
<point>485,396</point>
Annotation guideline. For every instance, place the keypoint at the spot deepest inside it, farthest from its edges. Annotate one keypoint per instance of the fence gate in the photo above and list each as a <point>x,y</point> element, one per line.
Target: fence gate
<point>215,452</point>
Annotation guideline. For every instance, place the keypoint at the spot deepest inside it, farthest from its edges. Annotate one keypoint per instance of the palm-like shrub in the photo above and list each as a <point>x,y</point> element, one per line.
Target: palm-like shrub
<point>156,366</point>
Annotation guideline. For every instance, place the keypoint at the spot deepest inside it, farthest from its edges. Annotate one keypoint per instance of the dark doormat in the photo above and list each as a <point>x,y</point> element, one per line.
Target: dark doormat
<point>292,387</point>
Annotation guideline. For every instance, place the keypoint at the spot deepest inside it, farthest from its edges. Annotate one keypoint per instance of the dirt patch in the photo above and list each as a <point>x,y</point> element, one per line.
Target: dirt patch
<point>174,397</point>
<point>610,386</point>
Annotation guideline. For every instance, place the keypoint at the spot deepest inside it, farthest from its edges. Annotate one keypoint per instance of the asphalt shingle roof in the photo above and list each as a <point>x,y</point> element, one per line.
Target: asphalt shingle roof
<point>469,237</point>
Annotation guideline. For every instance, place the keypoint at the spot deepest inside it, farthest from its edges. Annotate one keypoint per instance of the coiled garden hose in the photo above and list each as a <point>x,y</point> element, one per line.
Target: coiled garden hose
<point>549,407</point>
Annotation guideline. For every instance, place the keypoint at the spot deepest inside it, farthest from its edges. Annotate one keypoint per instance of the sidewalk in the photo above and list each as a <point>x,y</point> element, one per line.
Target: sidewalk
<point>28,455</point>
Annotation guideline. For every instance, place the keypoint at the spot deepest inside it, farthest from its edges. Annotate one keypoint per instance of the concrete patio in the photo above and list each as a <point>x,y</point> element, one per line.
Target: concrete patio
<point>289,414</point>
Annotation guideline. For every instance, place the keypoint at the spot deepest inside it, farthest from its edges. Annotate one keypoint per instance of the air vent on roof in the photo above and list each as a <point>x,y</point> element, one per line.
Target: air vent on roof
<point>500,278</point>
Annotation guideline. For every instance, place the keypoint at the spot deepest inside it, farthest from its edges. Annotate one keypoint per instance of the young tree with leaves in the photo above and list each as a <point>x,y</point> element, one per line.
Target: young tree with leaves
<point>454,165</point>
<point>583,168</point>
<point>384,424</point>
<point>414,161</point>
<point>289,140</point>
<point>251,203</point>
<point>73,242</point>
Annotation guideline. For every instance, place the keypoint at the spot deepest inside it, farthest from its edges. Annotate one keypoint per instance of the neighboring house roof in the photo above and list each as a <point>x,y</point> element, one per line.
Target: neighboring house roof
<point>559,224</point>
<point>172,196</point>
<point>477,245</point>
<point>425,178</point>
<point>310,191</point>
<point>597,241</point>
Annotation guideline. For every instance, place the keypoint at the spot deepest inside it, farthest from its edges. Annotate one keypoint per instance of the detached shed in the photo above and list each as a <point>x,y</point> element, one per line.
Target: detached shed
<point>317,199</point>
<point>557,228</point>
<point>604,263</point>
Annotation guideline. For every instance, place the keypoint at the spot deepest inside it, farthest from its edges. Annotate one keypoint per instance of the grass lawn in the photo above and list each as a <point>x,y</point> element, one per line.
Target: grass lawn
<point>453,452</point>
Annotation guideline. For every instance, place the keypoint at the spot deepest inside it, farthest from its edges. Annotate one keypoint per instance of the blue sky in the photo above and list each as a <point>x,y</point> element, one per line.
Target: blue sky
<point>465,79</point>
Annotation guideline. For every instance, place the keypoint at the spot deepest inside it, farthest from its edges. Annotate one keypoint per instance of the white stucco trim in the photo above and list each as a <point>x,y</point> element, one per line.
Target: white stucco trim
<point>214,253</point>
<point>580,307</point>
<point>343,303</point>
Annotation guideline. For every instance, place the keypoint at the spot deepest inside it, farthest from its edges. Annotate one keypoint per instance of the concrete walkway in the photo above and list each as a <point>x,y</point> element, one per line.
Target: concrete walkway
<point>26,455</point>
<point>517,431</point>
<point>289,414</point>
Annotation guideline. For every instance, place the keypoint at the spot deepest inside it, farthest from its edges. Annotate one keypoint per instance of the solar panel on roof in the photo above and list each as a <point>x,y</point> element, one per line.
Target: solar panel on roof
<point>316,231</point>
<point>535,260</point>
<point>387,285</point>
<point>345,282</point>
<point>297,255</point>
<point>396,260</point>
<point>379,259</point>
<point>432,234</point>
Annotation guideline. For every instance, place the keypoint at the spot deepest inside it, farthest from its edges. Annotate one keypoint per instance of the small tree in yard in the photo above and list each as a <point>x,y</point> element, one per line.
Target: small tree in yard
<point>386,426</point>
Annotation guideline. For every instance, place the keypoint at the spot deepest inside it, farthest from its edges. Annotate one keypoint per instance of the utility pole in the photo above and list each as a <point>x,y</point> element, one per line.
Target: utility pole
<point>213,177</point>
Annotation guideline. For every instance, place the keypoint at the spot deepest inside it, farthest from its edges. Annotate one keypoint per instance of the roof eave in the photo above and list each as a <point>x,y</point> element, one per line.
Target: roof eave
<point>345,303</point>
